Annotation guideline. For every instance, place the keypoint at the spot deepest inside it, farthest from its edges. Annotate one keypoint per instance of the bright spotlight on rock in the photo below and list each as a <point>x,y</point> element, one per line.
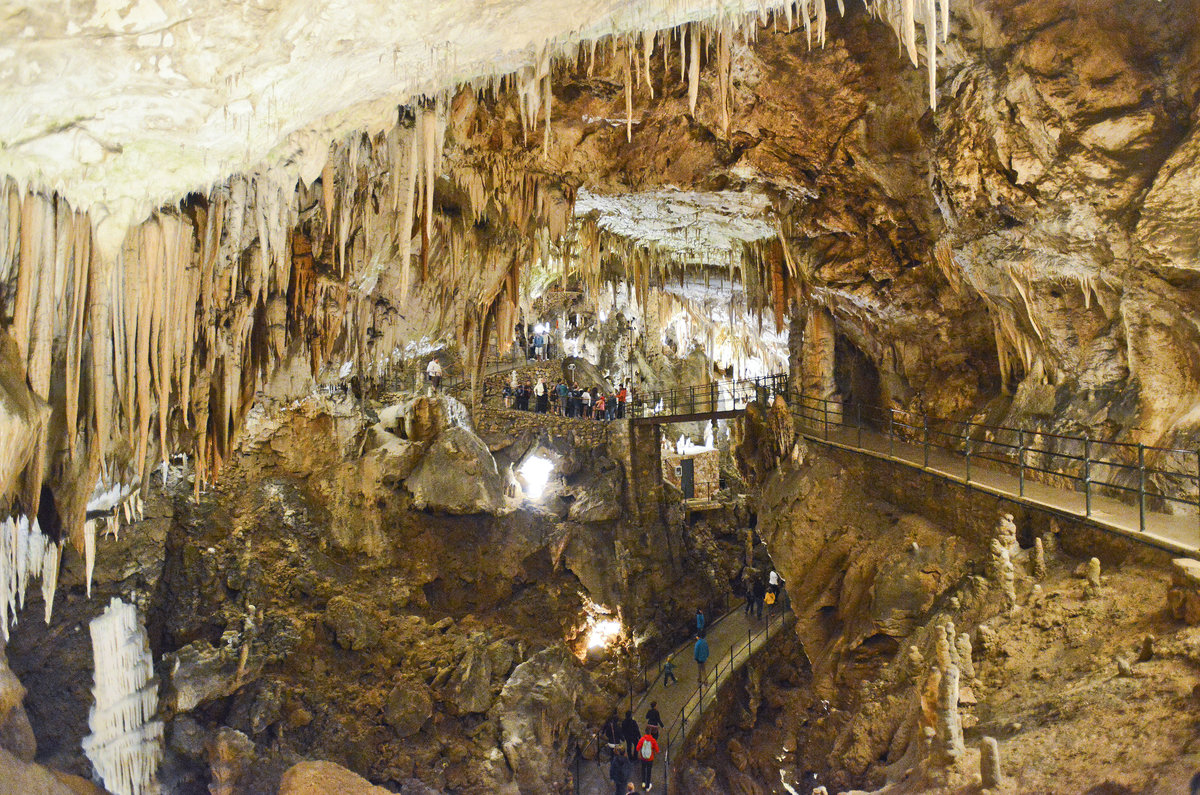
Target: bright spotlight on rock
<point>536,470</point>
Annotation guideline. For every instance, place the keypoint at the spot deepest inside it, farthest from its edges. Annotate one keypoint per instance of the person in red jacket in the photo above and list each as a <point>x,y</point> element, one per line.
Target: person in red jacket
<point>647,751</point>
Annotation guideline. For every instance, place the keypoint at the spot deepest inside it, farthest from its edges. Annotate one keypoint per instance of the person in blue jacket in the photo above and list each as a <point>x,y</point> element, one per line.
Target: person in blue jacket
<point>699,620</point>
<point>700,653</point>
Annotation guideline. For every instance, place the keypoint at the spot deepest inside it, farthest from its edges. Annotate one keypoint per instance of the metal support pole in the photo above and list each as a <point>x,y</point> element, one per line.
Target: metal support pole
<point>967,447</point>
<point>925,437</point>
<point>713,396</point>
<point>1087,475</point>
<point>1021,452</point>
<point>891,433</point>
<point>1142,487</point>
<point>825,409</point>
<point>858,421</point>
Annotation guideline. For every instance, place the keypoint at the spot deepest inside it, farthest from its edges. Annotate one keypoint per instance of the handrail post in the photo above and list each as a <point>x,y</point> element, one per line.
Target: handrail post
<point>713,396</point>
<point>825,409</point>
<point>1087,475</point>
<point>858,421</point>
<point>925,436</point>
<point>1141,487</point>
<point>1198,485</point>
<point>1021,452</point>
<point>891,433</point>
<point>967,448</point>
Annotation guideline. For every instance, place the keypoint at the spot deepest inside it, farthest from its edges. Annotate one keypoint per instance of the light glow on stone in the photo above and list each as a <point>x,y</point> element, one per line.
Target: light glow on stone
<point>536,472</point>
<point>603,632</point>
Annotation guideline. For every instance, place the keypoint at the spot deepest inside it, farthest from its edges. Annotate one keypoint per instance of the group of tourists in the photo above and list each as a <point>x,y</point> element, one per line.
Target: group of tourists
<point>537,345</point>
<point>566,401</point>
<point>760,592</point>
<point>629,745</point>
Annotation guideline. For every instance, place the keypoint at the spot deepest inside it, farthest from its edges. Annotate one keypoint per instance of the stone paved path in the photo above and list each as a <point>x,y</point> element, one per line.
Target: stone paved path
<point>1179,534</point>
<point>731,640</point>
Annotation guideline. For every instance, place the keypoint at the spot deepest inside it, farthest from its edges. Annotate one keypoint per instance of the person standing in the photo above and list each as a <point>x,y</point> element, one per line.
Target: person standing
<point>622,396</point>
<point>539,391</point>
<point>700,654</point>
<point>433,371</point>
<point>647,750</point>
<point>539,346</point>
<point>619,770</point>
<point>585,404</point>
<point>653,720</point>
<point>598,411</point>
<point>563,395</point>
<point>630,732</point>
<point>612,731</point>
<point>699,621</point>
<point>760,594</point>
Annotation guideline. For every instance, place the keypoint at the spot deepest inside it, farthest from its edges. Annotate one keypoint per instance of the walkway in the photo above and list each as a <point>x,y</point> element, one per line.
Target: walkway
<point>1179,534</point>
<point>732,640</point>
<point>715,400</point>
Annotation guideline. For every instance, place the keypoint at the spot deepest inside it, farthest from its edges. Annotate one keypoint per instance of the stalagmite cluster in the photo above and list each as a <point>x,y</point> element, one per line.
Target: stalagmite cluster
<point>125,745</point>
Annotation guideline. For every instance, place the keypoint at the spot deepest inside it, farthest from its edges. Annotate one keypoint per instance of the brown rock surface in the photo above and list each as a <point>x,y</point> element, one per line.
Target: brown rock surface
<point>325,778</point>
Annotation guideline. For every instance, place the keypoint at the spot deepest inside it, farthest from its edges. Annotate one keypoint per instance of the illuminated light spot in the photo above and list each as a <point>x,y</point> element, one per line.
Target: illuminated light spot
<point>536,472</point>
<point>603,633</point>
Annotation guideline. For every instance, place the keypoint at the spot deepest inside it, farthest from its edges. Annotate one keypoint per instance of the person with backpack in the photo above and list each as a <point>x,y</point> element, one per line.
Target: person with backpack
<point>700,654</point>
<point>647,750</point>
<point>630,732</point>
<point>563,398</point>
<point>653,720</point>
<point>619,770</point>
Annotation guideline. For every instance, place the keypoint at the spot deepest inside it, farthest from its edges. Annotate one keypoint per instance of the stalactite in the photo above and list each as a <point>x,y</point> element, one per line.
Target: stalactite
<point>693,68</point>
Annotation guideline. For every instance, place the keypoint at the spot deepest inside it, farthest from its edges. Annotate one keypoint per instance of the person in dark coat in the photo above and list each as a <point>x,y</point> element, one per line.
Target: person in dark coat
<point>700,620</point>
<point>612,730</point>
<point>760,593</point>
<point>619,771</point>
<point>653,720</point>
<point>630,733</point>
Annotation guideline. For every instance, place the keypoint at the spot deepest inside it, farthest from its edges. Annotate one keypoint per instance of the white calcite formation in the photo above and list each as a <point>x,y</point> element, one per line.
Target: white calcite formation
<point>125,745</point>
<point>126,105</point>
<point>25,554</point>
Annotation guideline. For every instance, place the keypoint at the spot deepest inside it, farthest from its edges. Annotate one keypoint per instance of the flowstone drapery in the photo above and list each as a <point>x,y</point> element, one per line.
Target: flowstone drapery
<point>125,745</point>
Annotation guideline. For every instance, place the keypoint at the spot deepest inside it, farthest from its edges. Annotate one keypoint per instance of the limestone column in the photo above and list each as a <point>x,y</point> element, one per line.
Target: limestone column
<point>817,362</point>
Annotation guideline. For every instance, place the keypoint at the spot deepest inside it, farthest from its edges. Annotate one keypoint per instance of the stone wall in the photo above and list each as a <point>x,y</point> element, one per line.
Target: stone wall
<point>583,433</point>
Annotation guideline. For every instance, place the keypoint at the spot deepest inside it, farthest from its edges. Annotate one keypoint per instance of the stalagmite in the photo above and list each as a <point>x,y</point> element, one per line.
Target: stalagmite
<point>991,775</point>
<point>949,737</point>
<point>1002,573</point>
<point>125,744</point>
<point>1091,588</point>
<point>966,661</point>
<point>1037,564</point>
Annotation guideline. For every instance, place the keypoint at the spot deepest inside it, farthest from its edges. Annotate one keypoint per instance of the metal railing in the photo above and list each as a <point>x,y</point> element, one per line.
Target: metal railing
<point>703,696</point>
<point>711,398</point>
<point>1120,470</point>
<point>676,731</point>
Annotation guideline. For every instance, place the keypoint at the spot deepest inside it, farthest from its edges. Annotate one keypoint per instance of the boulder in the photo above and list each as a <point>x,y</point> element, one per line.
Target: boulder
<point>457,475</point>
<point>470,686</point>
<point>598,500</point>
<point>408,706</point>
<point>1183,597</point>
<point>537,715</point>
<point>17,775</point>
<point>200,672</point>
<point>325,778</point>
<point>356,628</point>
